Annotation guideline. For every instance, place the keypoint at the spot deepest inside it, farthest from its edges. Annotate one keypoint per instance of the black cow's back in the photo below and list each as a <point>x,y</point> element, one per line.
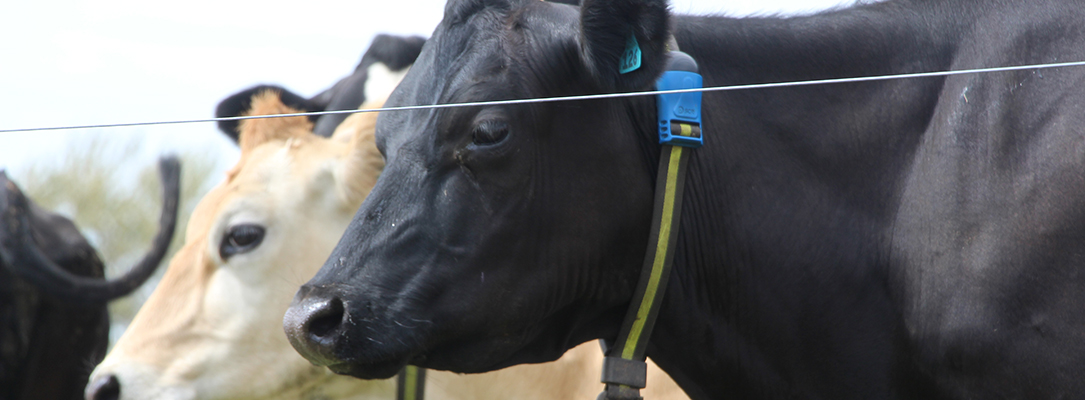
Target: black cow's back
<point>48,347</point>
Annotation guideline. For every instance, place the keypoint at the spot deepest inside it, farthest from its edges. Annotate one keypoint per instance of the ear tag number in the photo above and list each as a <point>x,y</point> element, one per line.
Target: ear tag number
<point>630,60</point>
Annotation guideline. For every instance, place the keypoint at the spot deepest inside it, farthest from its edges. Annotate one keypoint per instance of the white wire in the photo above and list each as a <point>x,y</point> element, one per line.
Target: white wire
<point>581,97</point>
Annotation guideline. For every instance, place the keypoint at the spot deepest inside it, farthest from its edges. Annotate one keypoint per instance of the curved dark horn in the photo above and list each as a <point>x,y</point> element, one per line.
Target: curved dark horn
<point>22,255</point>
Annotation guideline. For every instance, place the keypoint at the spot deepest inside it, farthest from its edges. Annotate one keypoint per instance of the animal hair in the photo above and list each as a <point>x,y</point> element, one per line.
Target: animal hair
<point>255,132</point>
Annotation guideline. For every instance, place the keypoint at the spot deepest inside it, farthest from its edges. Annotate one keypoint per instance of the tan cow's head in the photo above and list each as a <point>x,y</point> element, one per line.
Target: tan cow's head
<point>212,328</point>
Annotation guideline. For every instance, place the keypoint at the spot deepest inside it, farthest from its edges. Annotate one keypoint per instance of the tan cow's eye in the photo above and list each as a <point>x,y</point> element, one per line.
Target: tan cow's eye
<point>241,239</point>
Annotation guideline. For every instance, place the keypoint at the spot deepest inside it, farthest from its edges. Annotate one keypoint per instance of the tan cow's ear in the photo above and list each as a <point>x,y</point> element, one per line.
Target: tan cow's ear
<point>357,173</point>
<point>255,132</point>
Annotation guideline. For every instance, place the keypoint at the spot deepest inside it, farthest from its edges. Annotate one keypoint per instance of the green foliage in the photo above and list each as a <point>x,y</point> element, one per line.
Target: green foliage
<point>116,203</point>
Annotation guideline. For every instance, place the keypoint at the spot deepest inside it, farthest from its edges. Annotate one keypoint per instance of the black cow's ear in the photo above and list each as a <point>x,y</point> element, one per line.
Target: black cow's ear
<point>396,52</point>
<point>241,102</point>
<point>623,42</point>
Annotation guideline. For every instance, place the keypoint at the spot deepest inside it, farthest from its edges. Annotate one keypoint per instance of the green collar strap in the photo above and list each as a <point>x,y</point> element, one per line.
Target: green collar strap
<point>411,383</point>
<point>624,368</point>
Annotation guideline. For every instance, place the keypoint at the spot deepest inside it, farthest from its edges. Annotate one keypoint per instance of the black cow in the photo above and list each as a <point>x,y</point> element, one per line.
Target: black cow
<point>386,55</point>
<point>917,238</point>
<point>54,326</point>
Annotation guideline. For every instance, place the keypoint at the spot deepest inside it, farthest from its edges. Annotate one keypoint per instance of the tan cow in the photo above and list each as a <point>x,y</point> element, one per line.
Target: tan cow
<point>213,327</point>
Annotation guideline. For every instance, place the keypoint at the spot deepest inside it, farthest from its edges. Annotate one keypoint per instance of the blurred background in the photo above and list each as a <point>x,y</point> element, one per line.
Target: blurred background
<point>118,61</point>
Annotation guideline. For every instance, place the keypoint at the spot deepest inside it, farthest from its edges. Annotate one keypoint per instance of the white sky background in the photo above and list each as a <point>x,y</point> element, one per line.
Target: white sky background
<point>112,61</point>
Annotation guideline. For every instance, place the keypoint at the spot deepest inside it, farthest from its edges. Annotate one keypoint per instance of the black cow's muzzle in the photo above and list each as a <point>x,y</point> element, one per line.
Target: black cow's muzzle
<point>317,325</point>
<point>313,323</point>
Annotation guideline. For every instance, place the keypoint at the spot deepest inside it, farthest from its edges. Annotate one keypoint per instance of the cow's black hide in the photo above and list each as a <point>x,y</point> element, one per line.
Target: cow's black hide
<point>915,238</point>
<point>48,346</point>
<point>54,326</point>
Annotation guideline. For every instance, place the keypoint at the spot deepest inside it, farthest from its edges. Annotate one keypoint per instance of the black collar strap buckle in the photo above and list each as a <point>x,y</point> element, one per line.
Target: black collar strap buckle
<point>624,368</point>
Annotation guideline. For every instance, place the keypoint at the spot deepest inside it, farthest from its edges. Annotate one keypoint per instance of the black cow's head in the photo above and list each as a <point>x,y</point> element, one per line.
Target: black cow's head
<point>503,234</point>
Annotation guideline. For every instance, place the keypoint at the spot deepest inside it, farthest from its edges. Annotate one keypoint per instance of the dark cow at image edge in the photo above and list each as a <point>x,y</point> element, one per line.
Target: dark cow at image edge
<point>54,325</point>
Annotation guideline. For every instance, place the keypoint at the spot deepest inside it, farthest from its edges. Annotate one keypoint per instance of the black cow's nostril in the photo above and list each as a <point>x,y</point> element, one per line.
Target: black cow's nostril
<point>105,388</point>
<point>313,324</point>
<point>326,319</point>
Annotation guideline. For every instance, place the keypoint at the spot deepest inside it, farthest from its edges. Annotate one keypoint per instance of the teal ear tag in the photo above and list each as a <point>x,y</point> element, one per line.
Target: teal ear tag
<point>630,60</point>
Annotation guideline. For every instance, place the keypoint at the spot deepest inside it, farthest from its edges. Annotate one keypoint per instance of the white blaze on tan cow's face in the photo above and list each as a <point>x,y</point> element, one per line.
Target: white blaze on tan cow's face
<point>212,328</point>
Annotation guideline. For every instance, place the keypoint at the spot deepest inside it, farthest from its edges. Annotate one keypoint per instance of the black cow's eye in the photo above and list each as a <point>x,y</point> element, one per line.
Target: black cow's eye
<point>490,132</point>
<point>241,239</point>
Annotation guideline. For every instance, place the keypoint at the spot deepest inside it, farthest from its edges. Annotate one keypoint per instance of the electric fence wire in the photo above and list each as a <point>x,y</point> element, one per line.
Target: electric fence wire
<point>580,97</point>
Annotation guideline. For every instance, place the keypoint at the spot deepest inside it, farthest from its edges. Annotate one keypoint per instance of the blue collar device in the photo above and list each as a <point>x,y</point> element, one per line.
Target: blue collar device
<point>680,113</point>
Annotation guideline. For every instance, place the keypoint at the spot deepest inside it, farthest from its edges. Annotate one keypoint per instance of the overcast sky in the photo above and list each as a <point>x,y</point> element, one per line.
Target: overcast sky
<point>115,61</point>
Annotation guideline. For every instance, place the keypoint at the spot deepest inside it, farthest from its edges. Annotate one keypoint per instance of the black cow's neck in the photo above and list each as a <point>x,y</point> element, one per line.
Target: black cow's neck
<point>777,202</point>
<point>892,37</point>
